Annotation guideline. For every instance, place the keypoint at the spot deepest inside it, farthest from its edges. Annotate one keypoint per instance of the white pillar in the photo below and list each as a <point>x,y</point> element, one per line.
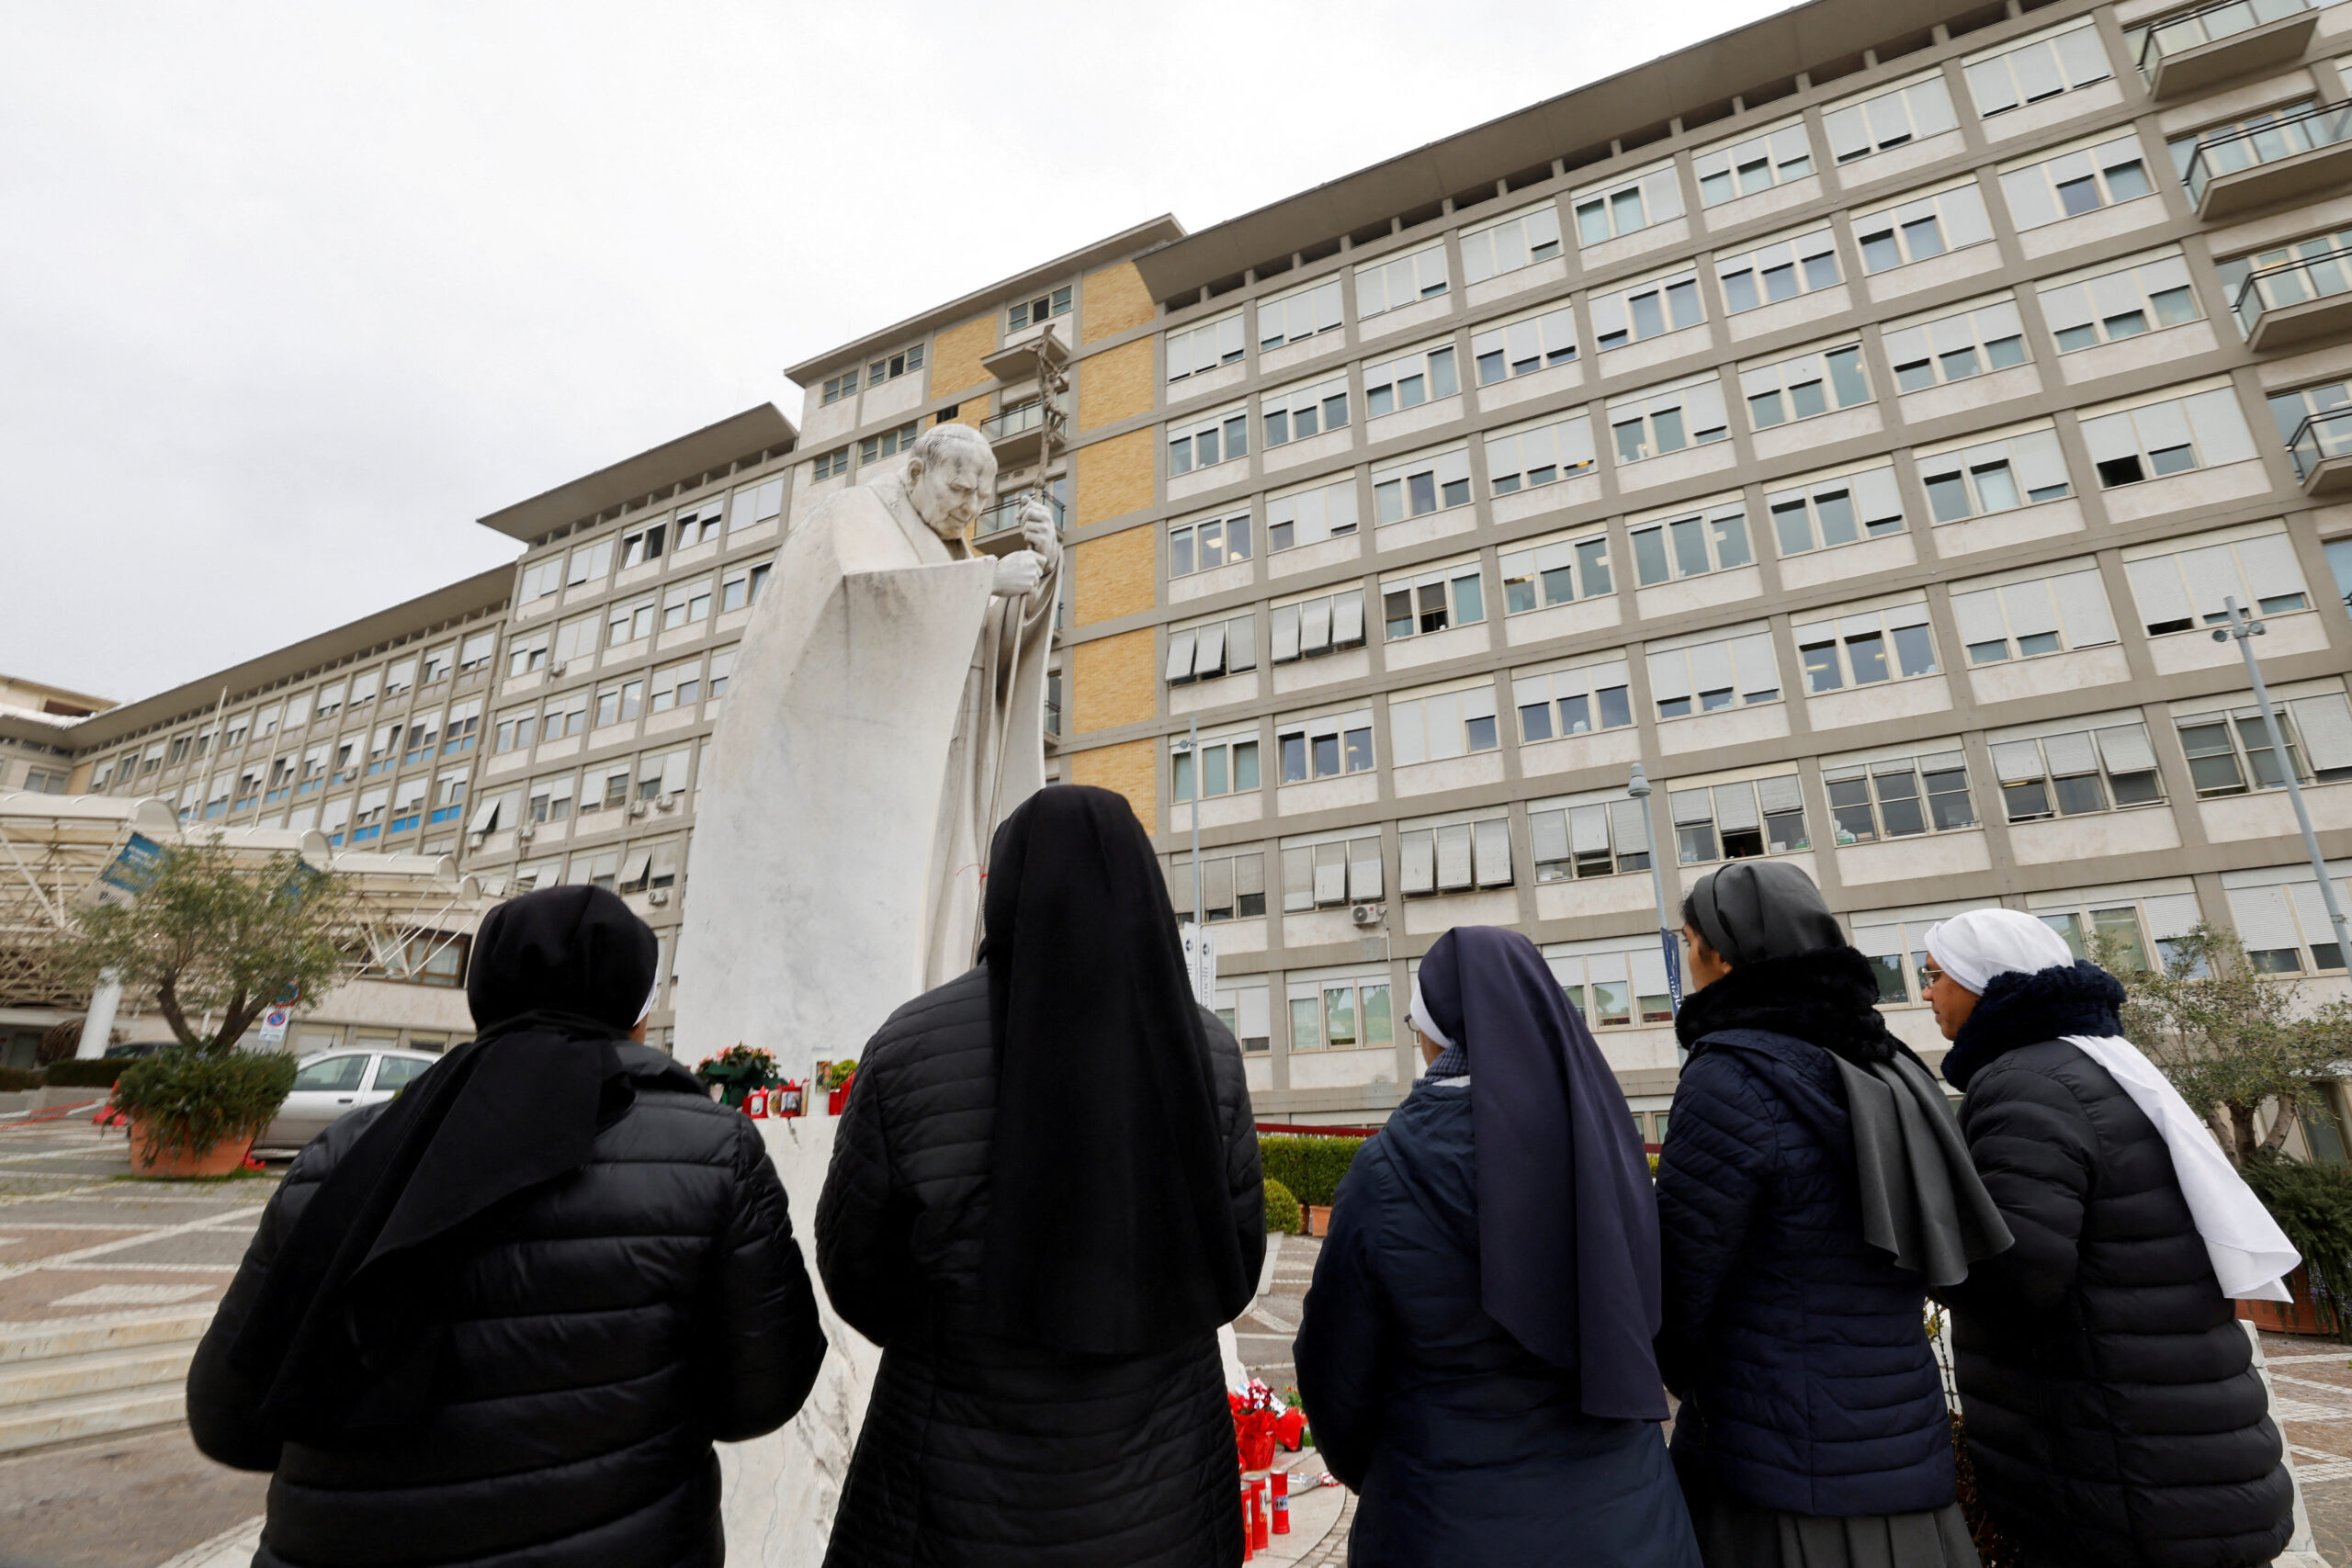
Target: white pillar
<point>98,1028</point>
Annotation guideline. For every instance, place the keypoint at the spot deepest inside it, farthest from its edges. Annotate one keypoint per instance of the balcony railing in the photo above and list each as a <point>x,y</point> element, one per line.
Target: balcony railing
<point>2322,272</point>
<point>2173,39</point>
<point>2321,438</point>
<point>1006,514</point>
<point>2217,158</point>
<point>1016,420</point>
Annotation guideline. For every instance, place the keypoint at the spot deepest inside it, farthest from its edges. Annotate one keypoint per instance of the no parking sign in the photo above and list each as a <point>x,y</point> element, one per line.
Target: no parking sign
<point>273,1027</point>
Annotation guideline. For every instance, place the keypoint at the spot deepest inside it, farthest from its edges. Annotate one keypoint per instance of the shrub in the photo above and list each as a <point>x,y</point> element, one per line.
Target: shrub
<point>1309,1166</point>
<point>193,1100</point>
<point>15,1080</point>
<point>1282,1210</point>
<point>2312,1203</point>
<point>99,1072</point>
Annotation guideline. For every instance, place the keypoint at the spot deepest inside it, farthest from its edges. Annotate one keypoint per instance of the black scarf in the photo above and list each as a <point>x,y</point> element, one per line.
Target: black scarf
<point>1567,1219</point>
<point>2018,1009</point>
<point>345,1334</point>
<point>1829,997</point>
<point>1111,1229</point>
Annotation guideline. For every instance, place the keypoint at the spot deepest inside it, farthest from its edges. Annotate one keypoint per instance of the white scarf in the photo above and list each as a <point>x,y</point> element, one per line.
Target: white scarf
<point>2251,1254</point>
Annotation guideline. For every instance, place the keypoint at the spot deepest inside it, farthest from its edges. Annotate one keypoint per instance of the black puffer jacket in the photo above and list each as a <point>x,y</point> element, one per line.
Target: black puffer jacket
<point>977,1450</point>
<point>604,1329</point>
<point>2112,1407</point>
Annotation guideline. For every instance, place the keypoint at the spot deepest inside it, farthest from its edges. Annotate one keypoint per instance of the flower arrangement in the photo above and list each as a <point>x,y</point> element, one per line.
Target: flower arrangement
<point>836,1074</point>
<point>1262,1422</point>
<point>742,1055</point>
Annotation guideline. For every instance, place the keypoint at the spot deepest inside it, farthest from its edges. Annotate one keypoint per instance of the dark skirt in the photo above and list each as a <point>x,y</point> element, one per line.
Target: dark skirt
<point>1733,1535</point>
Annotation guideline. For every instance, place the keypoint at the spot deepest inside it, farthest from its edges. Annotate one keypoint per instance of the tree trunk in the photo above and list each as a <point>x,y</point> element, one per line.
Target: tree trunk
<point>2289,1109</point>
<point>168,1002</point>
<point>2242,1139</point>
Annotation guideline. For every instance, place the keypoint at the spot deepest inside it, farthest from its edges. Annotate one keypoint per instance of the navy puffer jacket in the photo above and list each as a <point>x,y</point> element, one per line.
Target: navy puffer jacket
<point>1800,1352</point>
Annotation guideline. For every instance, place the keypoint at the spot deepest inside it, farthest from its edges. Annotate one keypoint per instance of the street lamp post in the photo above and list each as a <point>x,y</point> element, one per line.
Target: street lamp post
<point>1638,786</point>
<point>2243,628</point>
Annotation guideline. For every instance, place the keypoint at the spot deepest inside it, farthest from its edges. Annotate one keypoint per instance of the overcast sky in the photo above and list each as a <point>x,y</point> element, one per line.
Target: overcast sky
<point>291,294</point>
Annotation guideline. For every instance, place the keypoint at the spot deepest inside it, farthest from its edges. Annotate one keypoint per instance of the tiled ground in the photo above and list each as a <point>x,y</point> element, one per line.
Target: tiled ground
<point>2312,1380</point>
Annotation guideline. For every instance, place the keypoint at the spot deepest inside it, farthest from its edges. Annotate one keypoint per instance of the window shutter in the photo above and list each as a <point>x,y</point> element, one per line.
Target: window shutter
<point>2110,436</point>
<point>2125,749</point>
<point>2157,588</point>
<point>1979,615</point>
<point>674,772</point>
<point>1629,826</point>
<point>1286,634</point>
<point>1417,863</point>
<point>1241,643</point>
<point>1710,667</point>
<point>1547,834</point>
<point>1248,875</point>
<point>486,814</point>
<point>1874,492</point>
<point>1588,829</point>
<point>2039,464</point>
<point>1442,714</point>
<point>1670,676</point>
<point>1217,884</point>
<point>1752,655</point>
<point>1408,732</point>
<point>1849,135</point>
<point>1347,618</point>
<point>2164,424</point>
<point>2082,603</point>
<point>2016,762</point>
<point>1363,870</point>
<point>1702,405</point>
<point>1608,315</point>
<point>1315,627</point>
<point>633,869</point>
<point>2262,919</point>
<point>1692,807</point>
<point>1782,794</point>
<point>1330,873</point>
<point>1963,209</point>
<point>2069,753</point>
<point>2213,573</point>
<point>2031,606</point>
<point>1493,840</point>
<point>1209,656</point>
<point>1179,656</point>
<point>1298,879</point>
<point>2066,306</point>
<point>1453,858</point>
<point>2270,568</point>
<point>1736,807</point>
<point>2326,726</point>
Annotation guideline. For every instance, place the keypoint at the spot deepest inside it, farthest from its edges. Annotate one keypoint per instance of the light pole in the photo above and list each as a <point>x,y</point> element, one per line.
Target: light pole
<point>2243,628</point>
<point>1191,748</point>
<point>1638,786</point>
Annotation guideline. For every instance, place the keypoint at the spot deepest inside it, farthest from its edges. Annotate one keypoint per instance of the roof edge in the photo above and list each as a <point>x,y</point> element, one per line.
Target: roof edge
<point>758,428</point>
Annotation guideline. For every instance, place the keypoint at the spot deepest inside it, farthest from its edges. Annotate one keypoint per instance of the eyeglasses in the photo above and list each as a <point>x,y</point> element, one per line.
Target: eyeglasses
<point>1929,975</point>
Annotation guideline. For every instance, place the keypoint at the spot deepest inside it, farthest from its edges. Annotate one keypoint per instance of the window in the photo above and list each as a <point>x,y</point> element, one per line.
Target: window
<point>645,544</point>
<point>2316,268</point>
<point>1330,747</point>
<point>741,587</point>
<point>2288,410</point>
<point>620,702</point>
<point>1650,424</point>
<point>1430,481</point>
<point>437,665</point>
<point>1923,227</point>
<point>1030,312</point>
<point>399,681</point>
<point>829,464</point>
<point>1294,413</point>
<point>1233,886</point>
<point>2180,585</point>
<point>677,686</point>
<point>1212,648</point>
<point>1712,539</point>
<point>383,744</point>
<point>1816,514</point>
<point>1308,628</point>
<point>1952,348</point>
<point>1385,286</point>
<point>368,820</point>
<point>1632,202</point>
<point>1228,765</point>
<point>686,605</point>
<point>2028,617</point>
<point>364,687</point>
<point>2227,748</point>
<point>450,796</point>
<point>2076,182</point>
<point>280,785</point>
<point>756,503</point>
<point>2104,768</point>
<point>314,775</point>
<point>1555,572</point>
<point>605,788</point>
<point>1898,797</point>
<point>1524,347</point>
<point>564,716</point>
<point>1613,984</point>
<point>2172,436</point>
<point>698,523</point>
<point>1432,600</point>
<point>1819,382</point>
<point>1912,112</point>
<point>1433,723</point>
<point>1206,347</point>
<point>2037,68</point>
<point>330,700</point>
<point>1204,441</point>
<point>1865,647</point>
<point>1646,310</point>
<point>1409,381</point>
<point>298,707</point>
<point>836,387</point>
<point>1204,544</point>
<point>2122,916</point>
<point>889,368</point>
<point>890,443</point>
<point>1573,699</point>
<point>2339,562</point>
<point>2282,917</point>
<point>722,669</point>
<point>1535,454</point>
<point>1299,314</point>
<point>540,578</point>
<point>1886,937</point>
<point>1722,672</point>
<point>1600,836</point>
<point>1310,516</point>
<point>2125,302</point>
<point>1735,821</point>
<point>1779,270</point>
<point>408,807</point>
<point>575,638</point>
<point>631,622</point>
<point>525,654</point>
<point>473,654</point>
<point>1996,475</point>
<point>1758,163</point>
<point>661,773</point>
<point>1454,857</point>
<point>2276,133</point>
<point>1322,872</point>
<point>424,735</point>
<point>1519,240</point>
<point>1340,1013</point>
<point>1243,1009</point>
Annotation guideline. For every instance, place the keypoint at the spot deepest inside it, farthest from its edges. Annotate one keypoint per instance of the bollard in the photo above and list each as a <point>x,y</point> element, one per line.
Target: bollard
<point>1280,1480</point>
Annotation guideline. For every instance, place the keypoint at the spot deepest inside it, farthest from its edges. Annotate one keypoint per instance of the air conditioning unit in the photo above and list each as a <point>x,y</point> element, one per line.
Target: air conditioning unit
<point>667,803</point>
<point>473,841</point>
<point>636,808</point>
<point>525,833</point>
<point>659,896</point>
<point>556,670</point>
<point>1368,914</point>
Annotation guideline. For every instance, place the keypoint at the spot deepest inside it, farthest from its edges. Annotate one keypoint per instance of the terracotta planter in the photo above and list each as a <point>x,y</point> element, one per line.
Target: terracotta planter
<point>2301,1315</point>
<point>219,1160</point>
<point>1318,1219</point>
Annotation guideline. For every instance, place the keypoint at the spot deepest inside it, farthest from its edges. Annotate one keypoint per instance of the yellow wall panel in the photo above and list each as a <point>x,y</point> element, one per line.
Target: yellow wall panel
<point>1112,682</point>
<point>1115,300</point>
<point>1113,576</point>
<point>1113,477</point>
<point>955,355</point>
<point>1114,385</point>
<point>1128,770</point>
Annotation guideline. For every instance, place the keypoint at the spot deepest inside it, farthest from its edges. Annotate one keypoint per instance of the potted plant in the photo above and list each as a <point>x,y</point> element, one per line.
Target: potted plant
<point>835,1080</point>
<point>216,939</point>
<point>737,1070</point>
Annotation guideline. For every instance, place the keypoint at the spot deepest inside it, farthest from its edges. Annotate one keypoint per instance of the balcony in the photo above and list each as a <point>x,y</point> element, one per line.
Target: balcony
<point>1018,434</point>
<point>2188,54</point>
<point>1027,360</point>
<point>2297,302</point>
<point>2322,449</point>
<point>2301,154</point>
<point>998,531</point>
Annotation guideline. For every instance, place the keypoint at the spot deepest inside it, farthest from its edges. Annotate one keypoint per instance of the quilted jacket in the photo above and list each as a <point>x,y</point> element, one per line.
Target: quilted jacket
<point>978,1450</point>
<point>604,1329</point>
<point>2113,1412</point>
<point>1799,1352</point>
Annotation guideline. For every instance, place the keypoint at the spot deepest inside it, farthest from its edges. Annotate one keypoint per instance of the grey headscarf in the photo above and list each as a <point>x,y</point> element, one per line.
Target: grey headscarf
<point>1752,910</point>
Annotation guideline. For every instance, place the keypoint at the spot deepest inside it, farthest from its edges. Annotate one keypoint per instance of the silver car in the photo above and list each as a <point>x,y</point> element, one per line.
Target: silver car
<point>334,1084</point>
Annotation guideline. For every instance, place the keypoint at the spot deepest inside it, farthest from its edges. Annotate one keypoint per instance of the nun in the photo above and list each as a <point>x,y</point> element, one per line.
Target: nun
<point>1474,1352</point>
<point>503,1317</point>
<point>1812,1188</point>
<point>1043,1202</point>
<point>2113,1412</point>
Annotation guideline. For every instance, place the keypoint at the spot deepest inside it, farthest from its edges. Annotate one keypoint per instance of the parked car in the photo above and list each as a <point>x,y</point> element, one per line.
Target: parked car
<point>139,1047</point>
<point>334,1084</point>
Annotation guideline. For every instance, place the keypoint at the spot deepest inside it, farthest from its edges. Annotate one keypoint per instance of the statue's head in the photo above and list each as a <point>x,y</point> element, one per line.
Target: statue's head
<point>950,478</point>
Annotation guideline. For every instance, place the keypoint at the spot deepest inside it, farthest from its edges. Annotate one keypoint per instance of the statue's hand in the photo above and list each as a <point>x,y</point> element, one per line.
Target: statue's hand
<point>1018,573</point>
<point>1038,533</point>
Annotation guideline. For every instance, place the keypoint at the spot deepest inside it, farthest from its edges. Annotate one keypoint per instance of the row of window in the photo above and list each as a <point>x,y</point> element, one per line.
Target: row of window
<point>679,685</point>
<point>591,563</point>
<point>625,622</point>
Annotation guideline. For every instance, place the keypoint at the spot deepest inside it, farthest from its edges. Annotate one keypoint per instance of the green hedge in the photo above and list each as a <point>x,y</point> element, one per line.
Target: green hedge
<point>1309,1167</point>
<point>192,1100</point>
<point>2311,1201</point>
<point>15,1080</point>
<point>99,1073</point>
<point>1282,1210</point>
